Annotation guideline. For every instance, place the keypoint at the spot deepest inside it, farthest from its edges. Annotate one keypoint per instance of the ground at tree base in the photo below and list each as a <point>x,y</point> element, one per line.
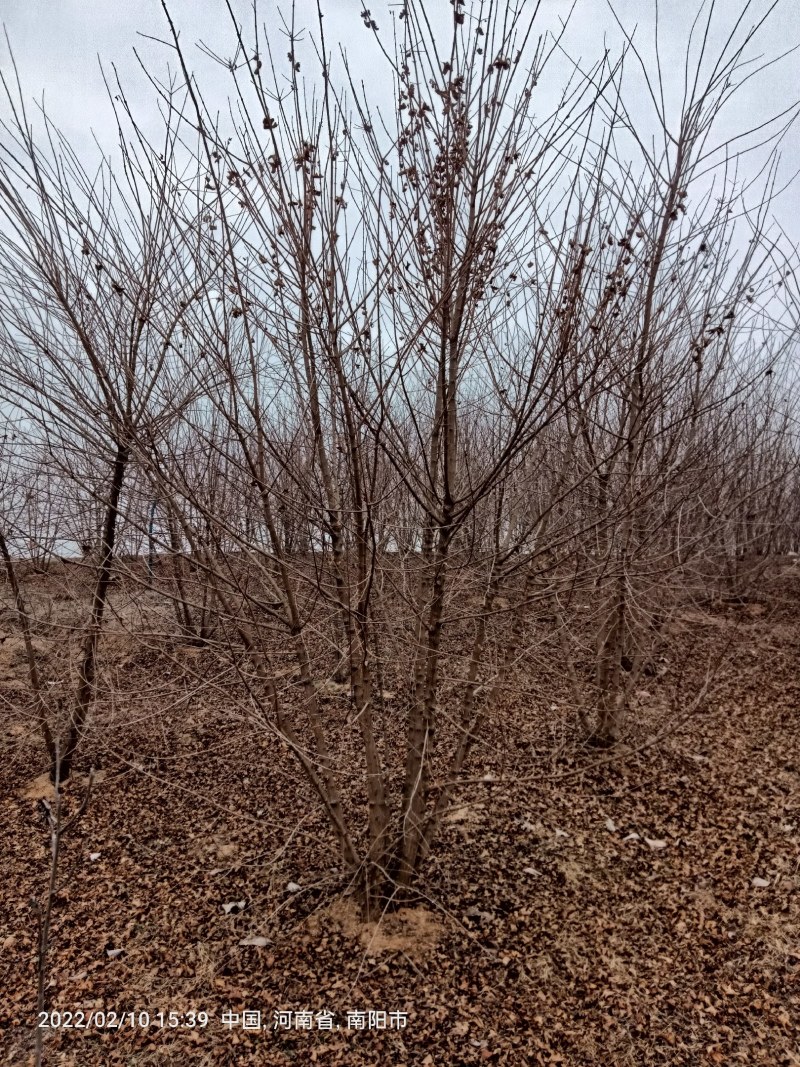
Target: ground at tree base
<point>583,911</point>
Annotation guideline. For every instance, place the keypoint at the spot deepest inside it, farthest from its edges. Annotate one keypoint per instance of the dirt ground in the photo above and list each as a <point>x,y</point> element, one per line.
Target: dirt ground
<point>581,908</point>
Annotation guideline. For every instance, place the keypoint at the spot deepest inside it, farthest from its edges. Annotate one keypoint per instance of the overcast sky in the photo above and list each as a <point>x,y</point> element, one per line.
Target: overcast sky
<point>58,45</point>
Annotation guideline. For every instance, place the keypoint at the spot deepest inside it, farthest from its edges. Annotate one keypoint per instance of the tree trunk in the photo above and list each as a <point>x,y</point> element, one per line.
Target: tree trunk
<point>88,664</point>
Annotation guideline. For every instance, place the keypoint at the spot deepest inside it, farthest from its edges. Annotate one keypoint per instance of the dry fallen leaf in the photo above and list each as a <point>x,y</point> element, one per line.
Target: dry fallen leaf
<point>234,906</point>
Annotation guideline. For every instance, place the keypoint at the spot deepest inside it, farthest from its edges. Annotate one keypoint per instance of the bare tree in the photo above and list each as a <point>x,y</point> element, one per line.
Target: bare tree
<point>366,384</point>
<point>95,276</point>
